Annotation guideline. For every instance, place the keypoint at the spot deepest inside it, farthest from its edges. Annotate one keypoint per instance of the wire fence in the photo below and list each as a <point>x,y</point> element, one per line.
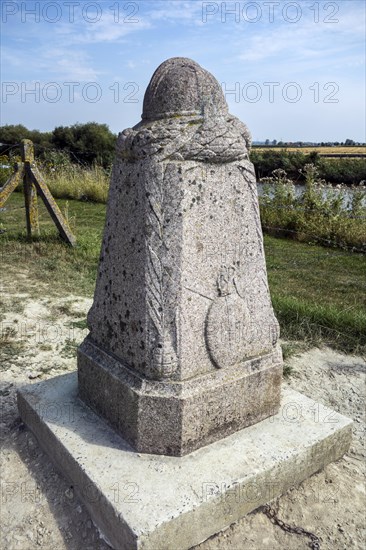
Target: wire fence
<point>265,202</point>
<point>38,146</point>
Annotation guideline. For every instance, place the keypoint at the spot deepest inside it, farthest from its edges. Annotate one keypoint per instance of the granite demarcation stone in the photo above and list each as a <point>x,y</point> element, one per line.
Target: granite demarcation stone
<point>183,345</point>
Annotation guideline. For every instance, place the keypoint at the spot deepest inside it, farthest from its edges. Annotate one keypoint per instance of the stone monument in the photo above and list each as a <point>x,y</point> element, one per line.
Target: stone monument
<point>183,345</point>
<point>177,398</point>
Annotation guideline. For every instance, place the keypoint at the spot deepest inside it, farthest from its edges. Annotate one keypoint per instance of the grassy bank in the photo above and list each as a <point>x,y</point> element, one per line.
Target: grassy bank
<point>79,183</point>
<point>321,214</point>
<point>318,293</point>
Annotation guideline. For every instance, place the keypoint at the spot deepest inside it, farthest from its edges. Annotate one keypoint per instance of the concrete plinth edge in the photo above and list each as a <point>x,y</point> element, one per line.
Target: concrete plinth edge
<point>142,501</point>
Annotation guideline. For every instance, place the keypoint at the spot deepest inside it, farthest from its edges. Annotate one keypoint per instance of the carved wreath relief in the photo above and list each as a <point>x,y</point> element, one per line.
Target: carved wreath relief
<point>163,358</point>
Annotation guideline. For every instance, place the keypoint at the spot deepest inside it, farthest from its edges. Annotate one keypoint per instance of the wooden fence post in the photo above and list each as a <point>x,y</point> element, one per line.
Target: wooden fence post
<point>53,210</point>
<point>33,183</point>
<point>12,183</point>
<point>30,192</point>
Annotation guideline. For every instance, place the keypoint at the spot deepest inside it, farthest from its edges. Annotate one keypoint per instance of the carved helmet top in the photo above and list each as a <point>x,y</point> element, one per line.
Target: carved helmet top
<point>181,87</point>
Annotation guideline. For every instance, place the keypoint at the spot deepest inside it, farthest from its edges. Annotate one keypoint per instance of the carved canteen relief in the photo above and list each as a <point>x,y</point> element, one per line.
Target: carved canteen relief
<point>228,323</point>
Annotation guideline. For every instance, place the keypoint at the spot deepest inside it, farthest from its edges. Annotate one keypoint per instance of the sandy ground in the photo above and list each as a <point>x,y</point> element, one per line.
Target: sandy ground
<point>39,508</point>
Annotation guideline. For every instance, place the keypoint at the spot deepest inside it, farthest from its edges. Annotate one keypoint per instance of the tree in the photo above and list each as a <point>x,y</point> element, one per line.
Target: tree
<point>12,134</point>
<point>90,142</point>
<point>349,142</point>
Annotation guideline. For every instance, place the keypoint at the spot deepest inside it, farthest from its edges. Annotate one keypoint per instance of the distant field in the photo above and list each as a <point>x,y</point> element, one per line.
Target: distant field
<point>341,150</point>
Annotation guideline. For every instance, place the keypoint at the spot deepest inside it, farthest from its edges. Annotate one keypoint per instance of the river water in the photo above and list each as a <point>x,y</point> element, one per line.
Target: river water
<point>347,192</point>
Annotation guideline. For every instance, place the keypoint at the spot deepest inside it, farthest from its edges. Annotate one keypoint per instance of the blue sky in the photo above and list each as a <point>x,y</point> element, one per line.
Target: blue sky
<point>290,70</point>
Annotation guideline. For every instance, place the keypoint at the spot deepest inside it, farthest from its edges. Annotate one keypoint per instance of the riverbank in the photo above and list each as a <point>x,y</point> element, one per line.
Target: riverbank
<point>333,218</point>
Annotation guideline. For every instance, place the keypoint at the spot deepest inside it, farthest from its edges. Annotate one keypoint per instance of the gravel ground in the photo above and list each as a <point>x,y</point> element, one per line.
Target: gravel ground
<point>39,508</point>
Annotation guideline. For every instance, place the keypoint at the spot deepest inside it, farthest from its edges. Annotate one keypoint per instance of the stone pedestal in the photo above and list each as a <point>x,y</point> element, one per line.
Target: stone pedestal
<point>175,418</point>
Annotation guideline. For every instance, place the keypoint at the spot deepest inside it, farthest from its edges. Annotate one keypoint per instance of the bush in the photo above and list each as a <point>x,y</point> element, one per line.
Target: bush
<point>88,143</point>
<point>321,214</point>
<point>338,170</point>
<point>265,162</point>
<point>342,170</point>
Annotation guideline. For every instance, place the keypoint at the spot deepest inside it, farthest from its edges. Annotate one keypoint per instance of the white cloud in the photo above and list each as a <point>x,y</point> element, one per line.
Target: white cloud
<point>306,46</point>
<point>69,65</point>
<point>109,31</point>
<point>180,11</point>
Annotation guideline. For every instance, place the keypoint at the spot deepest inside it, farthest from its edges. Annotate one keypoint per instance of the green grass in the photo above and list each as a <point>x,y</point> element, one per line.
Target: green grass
<point>81,324</point>
<point>47,259</point>
<point>78,182</point>
<point>319,294</point>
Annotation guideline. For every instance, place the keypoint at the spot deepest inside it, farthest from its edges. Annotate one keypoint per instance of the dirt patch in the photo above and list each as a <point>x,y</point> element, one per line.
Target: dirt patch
<point>38,506</point>
<point>331,503</point>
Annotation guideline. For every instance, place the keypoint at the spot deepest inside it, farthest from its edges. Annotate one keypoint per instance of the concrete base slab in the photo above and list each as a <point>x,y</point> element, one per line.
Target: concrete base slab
<point>153,501</point>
